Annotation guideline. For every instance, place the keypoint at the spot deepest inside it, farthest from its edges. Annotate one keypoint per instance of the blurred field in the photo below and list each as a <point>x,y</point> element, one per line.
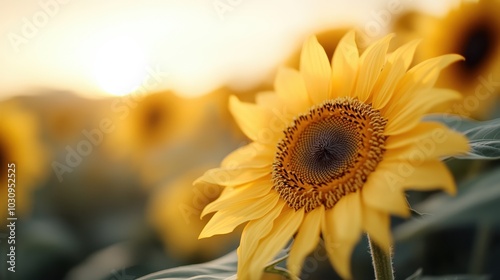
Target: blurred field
<point>104,181</point>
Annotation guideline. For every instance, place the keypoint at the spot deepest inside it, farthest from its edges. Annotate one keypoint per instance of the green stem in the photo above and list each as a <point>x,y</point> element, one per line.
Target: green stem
<point>481,246</point>
<point>273,268</point>
<point>280,271</point>
<point>382,262</point>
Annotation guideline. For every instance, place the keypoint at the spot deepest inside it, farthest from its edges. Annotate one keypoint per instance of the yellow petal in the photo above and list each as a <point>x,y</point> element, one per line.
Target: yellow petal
<point>253,155</point>
<point>372,62</point>
<point>252,190</point>
<point>284,228</point>
<point>341,231</point>
<point>344,219</point>
<point>415,175</point>
<point>423,130</point>
<point>306,240</point>
<point>430,175</point>
<point>254,231</point>
<point>315,68</point>
<point>394,70</point>
<point>441,142</point>
<point>254,120</point>
<point>291,88</point>
<point>344,67</point>
<point>377,224</point>
<point>268,99</point>
<point>422,76</point>
<point>385,196</point>
<point>339,253</point>
<point>226,220</point>
<point>408,116</point>
<point>231,177</point>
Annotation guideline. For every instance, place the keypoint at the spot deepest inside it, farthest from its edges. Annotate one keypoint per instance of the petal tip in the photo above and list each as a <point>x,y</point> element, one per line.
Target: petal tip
<point>199,180</point>
<point>233,100</point>
<point>204,234</point>
<point>451,191</point>
<point>204,212</point>
<point>452,58</point>
<point>311,40</point>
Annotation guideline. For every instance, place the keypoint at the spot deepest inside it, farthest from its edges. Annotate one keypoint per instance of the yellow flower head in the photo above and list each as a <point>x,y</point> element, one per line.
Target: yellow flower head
<point>472,30</point>
<point>19,144</point>
<point>155,120</point>
<point>148,125</point>
<point>334,149</point>
<point>174,211</point>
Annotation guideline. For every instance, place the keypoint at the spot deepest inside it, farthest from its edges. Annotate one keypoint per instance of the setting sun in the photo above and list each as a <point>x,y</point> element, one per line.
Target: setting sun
<point>119,65</point>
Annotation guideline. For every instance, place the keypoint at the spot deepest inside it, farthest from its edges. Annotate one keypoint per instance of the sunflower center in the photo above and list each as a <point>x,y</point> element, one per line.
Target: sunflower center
<point>326,146</point>
<point>476,47</point>
<point>328,153</point>
<point>153,118</point>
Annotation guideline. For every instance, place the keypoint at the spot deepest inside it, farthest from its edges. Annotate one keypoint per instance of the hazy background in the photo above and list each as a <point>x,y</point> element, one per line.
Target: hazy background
<point>96,48</point>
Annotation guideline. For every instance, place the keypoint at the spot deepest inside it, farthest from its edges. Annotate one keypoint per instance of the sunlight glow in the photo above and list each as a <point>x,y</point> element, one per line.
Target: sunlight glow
<point>119,65</point>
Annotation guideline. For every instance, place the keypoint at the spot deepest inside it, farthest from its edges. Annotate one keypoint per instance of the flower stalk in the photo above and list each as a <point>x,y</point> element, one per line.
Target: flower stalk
<point>382,261</point>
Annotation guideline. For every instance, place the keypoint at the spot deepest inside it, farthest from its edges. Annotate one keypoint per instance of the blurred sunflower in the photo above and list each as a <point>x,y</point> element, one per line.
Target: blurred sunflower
<point>19,144</point>
<point>64,125</point>
<point>333,151</point>
<point>174,212</point>
<point>411,25</point>
<point>149,126</point>
<point>472,30</point>
<point>63,116</point>
<point>155,120</point>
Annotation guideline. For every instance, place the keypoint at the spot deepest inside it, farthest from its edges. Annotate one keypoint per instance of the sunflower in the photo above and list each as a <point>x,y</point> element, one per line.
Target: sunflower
<point>472,30</point>
<point>174,212</point>
<point>148,126</point>
<point>153,121</point>
<point>411,25</point>
<point>19,144</point>
<point>333,150</point>
<point>65,115</point>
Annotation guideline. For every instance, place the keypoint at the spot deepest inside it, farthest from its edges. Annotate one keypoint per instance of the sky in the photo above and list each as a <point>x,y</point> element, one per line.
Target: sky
<point>102,48</point>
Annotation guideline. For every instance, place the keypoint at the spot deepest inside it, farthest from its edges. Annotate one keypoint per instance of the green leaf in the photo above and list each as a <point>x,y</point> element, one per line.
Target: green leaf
<point>223,268</point>
<point>456,277</point>
<point>484,137</point>
<point>477,199</point>
<point>415,276</point>
<point>418,276</point>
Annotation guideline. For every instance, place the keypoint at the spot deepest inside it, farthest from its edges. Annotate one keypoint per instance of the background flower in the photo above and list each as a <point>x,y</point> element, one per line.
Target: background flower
<point>472,30</point>
<point>20,144</point>
<point>174,211</point>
